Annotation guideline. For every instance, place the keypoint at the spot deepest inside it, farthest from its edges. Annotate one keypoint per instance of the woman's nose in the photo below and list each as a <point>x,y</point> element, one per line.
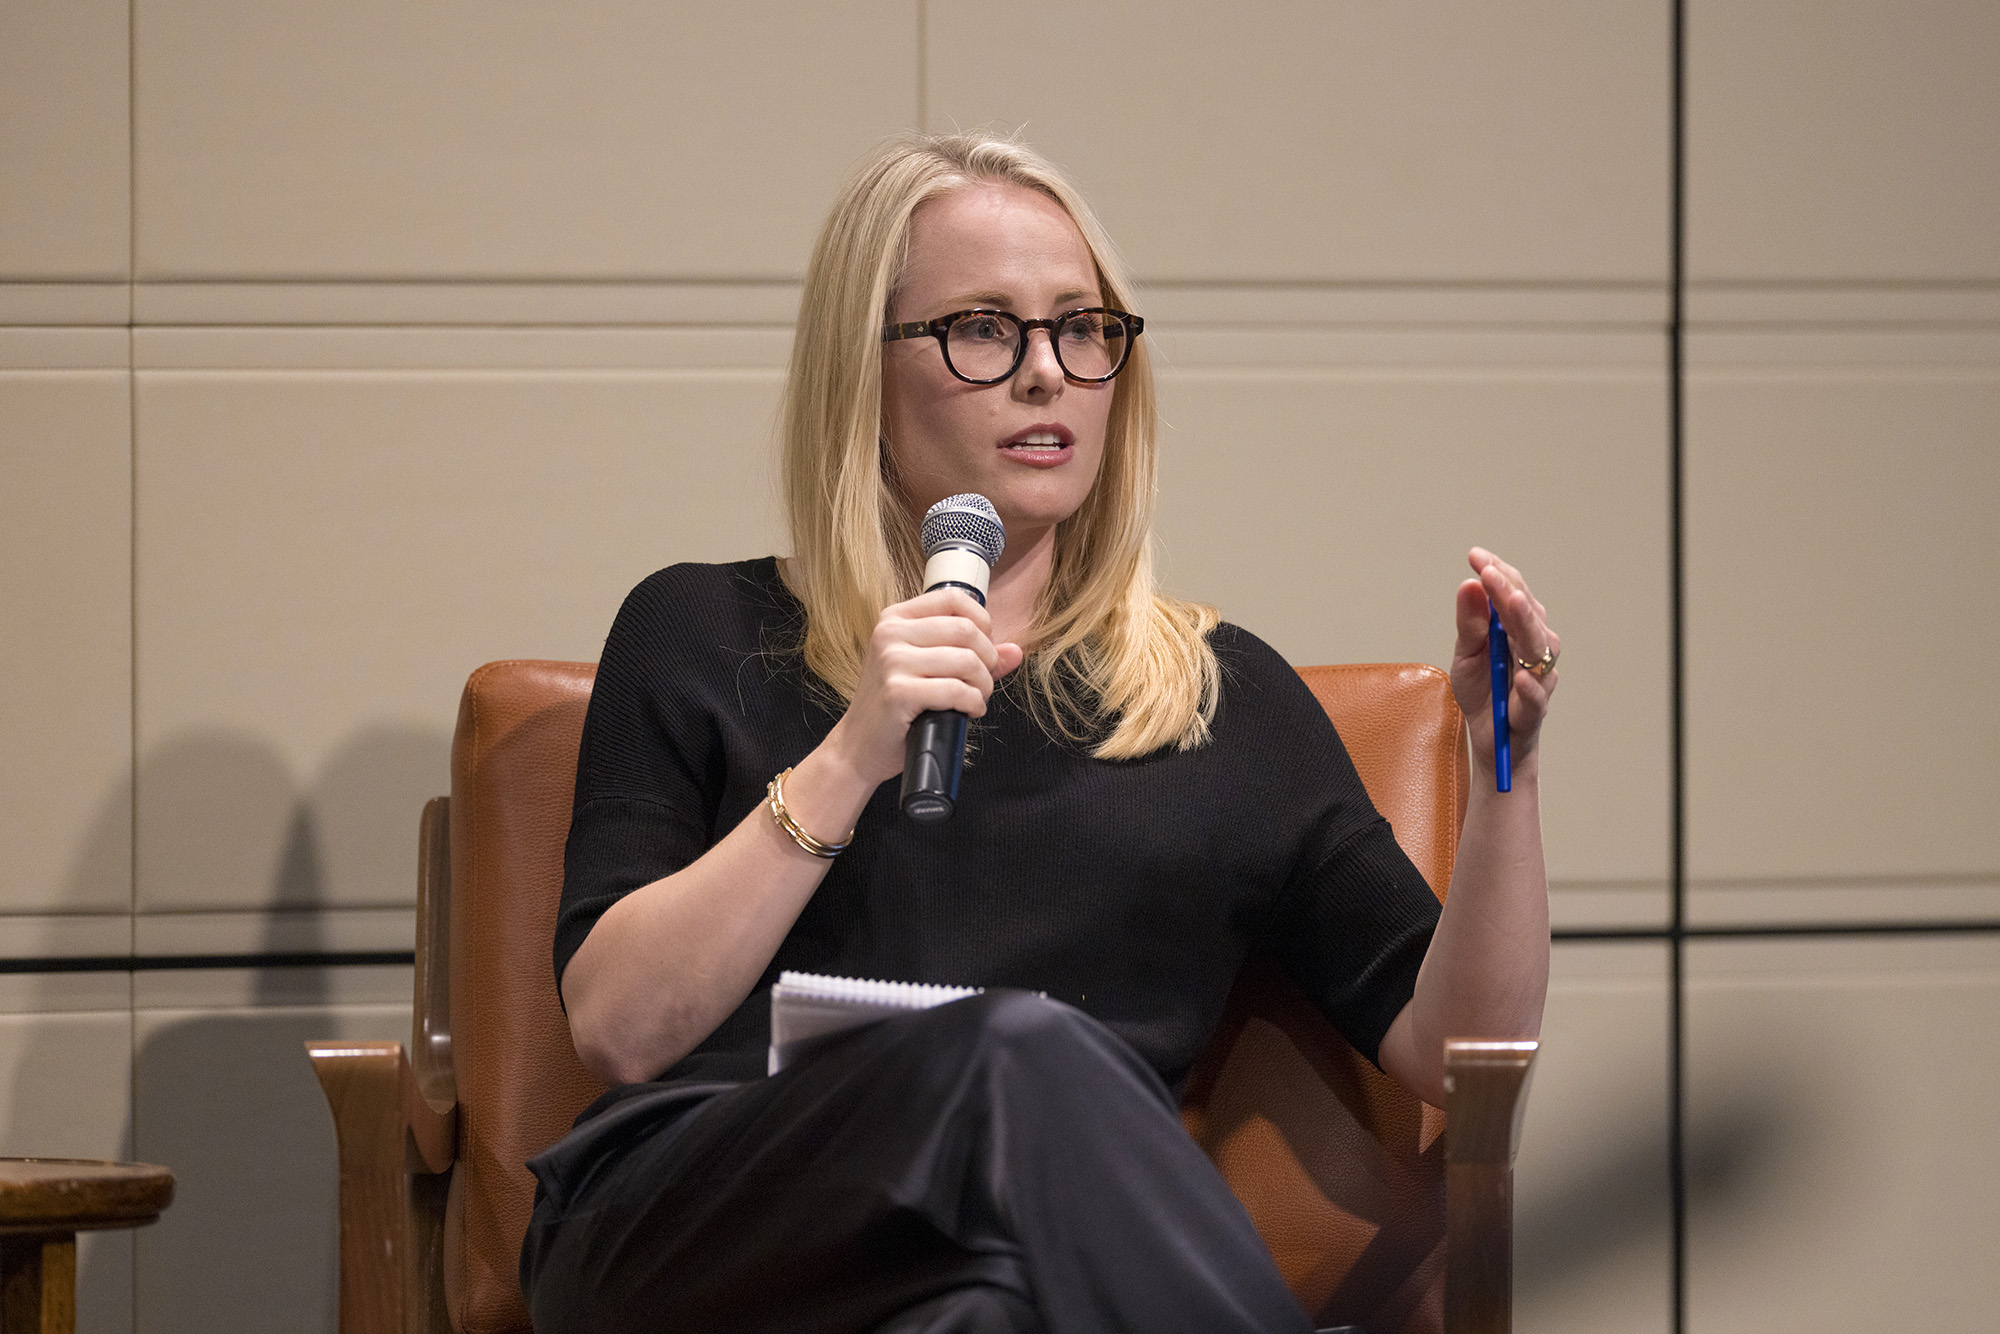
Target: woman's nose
<point>1040,371</point>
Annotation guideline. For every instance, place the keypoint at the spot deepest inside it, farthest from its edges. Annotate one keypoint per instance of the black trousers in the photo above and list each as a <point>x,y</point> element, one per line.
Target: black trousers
<point>1000,1165</point>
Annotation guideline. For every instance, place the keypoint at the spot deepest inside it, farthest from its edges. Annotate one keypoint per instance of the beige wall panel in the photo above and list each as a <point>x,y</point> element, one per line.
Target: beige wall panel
<point>66,652</point>
<point>228,1099</point>
<point>65,1084</point>
<point>1848,140</point>
<point>64,935</point>
<point>1841,1095</point>
<point>1330,513</point>
<point>1841,568</point>
<point>66,1092</point>
<point>457,140</point>
<point>181,990</point>
<point>308,931</point>
<point>1591,1210</point>
<point>65,139</point>
<point>1295,140</point>
<point>325,557</point>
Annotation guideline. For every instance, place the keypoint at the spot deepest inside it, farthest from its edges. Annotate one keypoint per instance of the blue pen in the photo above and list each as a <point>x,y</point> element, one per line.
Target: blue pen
<point>1503,681</point>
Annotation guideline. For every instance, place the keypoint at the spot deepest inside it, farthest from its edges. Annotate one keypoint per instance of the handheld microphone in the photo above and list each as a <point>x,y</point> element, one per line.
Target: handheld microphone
<point>962,539</point>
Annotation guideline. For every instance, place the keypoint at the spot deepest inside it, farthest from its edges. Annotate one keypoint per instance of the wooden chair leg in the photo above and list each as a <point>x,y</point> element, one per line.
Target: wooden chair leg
<point>38,1283</point>
<point>1484,1085</point>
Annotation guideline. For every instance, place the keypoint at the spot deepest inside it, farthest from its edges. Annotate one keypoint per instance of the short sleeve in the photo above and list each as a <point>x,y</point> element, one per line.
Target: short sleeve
<point>1352,931</point>
<point>647,776</point>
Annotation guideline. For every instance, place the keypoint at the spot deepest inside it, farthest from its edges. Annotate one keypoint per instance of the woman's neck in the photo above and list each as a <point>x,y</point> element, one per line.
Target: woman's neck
<point>1019,581</point>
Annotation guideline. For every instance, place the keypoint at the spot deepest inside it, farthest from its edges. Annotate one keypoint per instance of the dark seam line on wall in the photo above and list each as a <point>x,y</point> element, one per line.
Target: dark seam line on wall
<point>1677,689</point>
<point>121,963</point>
<point>1779,930</point>
<point>149,963</point>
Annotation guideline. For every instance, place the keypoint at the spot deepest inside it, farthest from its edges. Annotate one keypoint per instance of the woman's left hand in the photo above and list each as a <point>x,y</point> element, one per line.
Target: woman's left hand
<point>1529,638</point>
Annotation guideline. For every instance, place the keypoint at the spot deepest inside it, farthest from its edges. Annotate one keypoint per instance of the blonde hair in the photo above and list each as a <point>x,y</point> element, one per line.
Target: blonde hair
<point>1115,663</point>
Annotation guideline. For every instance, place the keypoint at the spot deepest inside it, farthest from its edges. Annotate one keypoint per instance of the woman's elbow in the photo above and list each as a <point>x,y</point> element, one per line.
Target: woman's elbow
<point>605,1046</point>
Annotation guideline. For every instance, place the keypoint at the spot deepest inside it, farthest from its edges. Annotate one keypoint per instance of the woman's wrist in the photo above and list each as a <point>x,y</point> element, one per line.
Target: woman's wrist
<point>1524,770</point>
<point>825,793</point>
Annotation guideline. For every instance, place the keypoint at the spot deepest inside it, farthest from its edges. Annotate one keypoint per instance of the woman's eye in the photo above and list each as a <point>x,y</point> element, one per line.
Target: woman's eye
<point>983,327</point>
<point>1083,328</point>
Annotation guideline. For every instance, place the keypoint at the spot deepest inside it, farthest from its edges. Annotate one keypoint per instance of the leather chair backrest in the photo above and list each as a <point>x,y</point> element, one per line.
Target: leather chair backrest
<point>520,1085</point>
<point>1341,1170</point>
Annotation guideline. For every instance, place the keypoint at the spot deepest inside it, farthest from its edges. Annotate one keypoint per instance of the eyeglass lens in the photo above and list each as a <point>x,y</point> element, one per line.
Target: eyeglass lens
<point>1090,345</point>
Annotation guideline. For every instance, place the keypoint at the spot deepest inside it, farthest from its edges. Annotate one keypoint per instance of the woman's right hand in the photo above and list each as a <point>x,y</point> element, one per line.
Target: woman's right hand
<point>934,651</point>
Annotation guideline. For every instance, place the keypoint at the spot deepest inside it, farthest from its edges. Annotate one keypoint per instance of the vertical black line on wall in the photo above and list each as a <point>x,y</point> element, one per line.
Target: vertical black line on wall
<point>1676,681</point>
<point>130,1148</point>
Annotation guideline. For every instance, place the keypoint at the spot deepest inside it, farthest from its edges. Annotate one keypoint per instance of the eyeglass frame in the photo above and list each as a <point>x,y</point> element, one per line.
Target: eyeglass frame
<point>940,328</point>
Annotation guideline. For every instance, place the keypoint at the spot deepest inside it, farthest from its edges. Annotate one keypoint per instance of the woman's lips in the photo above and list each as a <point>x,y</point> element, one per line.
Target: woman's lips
<point>1043,446</point>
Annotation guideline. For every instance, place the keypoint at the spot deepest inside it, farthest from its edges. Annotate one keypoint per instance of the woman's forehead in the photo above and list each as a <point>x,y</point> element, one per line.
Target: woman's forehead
<point>994,243</point>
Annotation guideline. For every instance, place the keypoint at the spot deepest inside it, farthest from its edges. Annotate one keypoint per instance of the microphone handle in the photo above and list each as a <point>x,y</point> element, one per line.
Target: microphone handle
<point>935,751</point>
<point>933,758</point>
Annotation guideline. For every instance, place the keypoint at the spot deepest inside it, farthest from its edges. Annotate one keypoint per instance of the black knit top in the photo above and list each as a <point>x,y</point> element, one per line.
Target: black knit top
<point>1129,889</point>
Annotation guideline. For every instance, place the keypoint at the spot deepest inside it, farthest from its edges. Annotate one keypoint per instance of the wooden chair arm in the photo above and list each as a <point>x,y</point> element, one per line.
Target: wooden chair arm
<point>395,1148</point>
<point>430,1014</point>
<point>1485,1086</point>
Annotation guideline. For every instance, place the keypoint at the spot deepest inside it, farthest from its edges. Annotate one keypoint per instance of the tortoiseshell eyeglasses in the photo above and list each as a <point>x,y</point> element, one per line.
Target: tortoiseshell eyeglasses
<point>986,346</point>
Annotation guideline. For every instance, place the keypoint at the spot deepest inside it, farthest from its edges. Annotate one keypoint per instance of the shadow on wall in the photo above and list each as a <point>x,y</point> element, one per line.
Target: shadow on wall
<point>221,1089</point>
<point>1750,1139</point>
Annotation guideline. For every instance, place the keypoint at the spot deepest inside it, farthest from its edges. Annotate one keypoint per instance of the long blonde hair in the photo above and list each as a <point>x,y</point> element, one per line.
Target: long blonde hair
<point>1115,663</point>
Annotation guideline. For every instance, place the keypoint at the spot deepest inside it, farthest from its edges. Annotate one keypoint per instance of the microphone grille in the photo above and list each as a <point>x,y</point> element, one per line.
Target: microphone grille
<point>967,520</point>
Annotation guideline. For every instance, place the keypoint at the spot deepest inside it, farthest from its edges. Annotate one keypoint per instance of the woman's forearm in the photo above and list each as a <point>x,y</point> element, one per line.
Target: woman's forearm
<point>667,963</point>
<point>1486,974</point>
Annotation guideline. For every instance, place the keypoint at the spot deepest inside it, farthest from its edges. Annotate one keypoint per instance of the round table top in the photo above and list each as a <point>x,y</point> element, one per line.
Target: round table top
<point>79,1194</point>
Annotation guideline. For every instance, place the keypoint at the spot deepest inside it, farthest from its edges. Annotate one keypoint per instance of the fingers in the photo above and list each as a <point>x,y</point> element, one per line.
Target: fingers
<point>1501,588</point>
<point>915,677</point>
<point>944,616</point>
<point>1521,612</point>
<point>936,652</point>
<point>1528,707</point>
<point>1471,619</point>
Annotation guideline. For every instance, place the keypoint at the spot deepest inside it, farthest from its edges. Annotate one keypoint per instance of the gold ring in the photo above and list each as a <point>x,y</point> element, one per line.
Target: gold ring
<point>1542,666</point>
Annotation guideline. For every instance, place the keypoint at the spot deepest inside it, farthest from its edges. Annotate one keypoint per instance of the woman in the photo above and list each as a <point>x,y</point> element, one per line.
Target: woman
<point>1151,793</point>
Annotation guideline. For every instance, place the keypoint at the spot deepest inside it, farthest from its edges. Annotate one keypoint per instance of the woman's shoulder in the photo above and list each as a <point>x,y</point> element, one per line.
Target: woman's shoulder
<point>1246,658</point>
<point>701,592</point>
<point>753,582</point>
<point>1257,682</point>
<point>696,608</point>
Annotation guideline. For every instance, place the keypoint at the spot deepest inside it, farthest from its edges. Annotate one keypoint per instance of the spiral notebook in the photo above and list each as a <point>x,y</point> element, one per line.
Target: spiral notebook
<point>809,1008</point>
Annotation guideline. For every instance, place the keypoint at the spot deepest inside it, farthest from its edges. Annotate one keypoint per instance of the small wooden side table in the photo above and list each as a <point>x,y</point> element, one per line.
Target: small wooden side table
<point>44,1203</point>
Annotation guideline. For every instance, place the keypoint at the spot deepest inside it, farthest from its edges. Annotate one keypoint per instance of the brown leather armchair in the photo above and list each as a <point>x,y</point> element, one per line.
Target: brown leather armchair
<point>1343,1173</point>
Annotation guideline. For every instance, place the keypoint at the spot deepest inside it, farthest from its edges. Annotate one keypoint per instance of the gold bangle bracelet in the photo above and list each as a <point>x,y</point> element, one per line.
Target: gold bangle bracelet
<point>775,792</point>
